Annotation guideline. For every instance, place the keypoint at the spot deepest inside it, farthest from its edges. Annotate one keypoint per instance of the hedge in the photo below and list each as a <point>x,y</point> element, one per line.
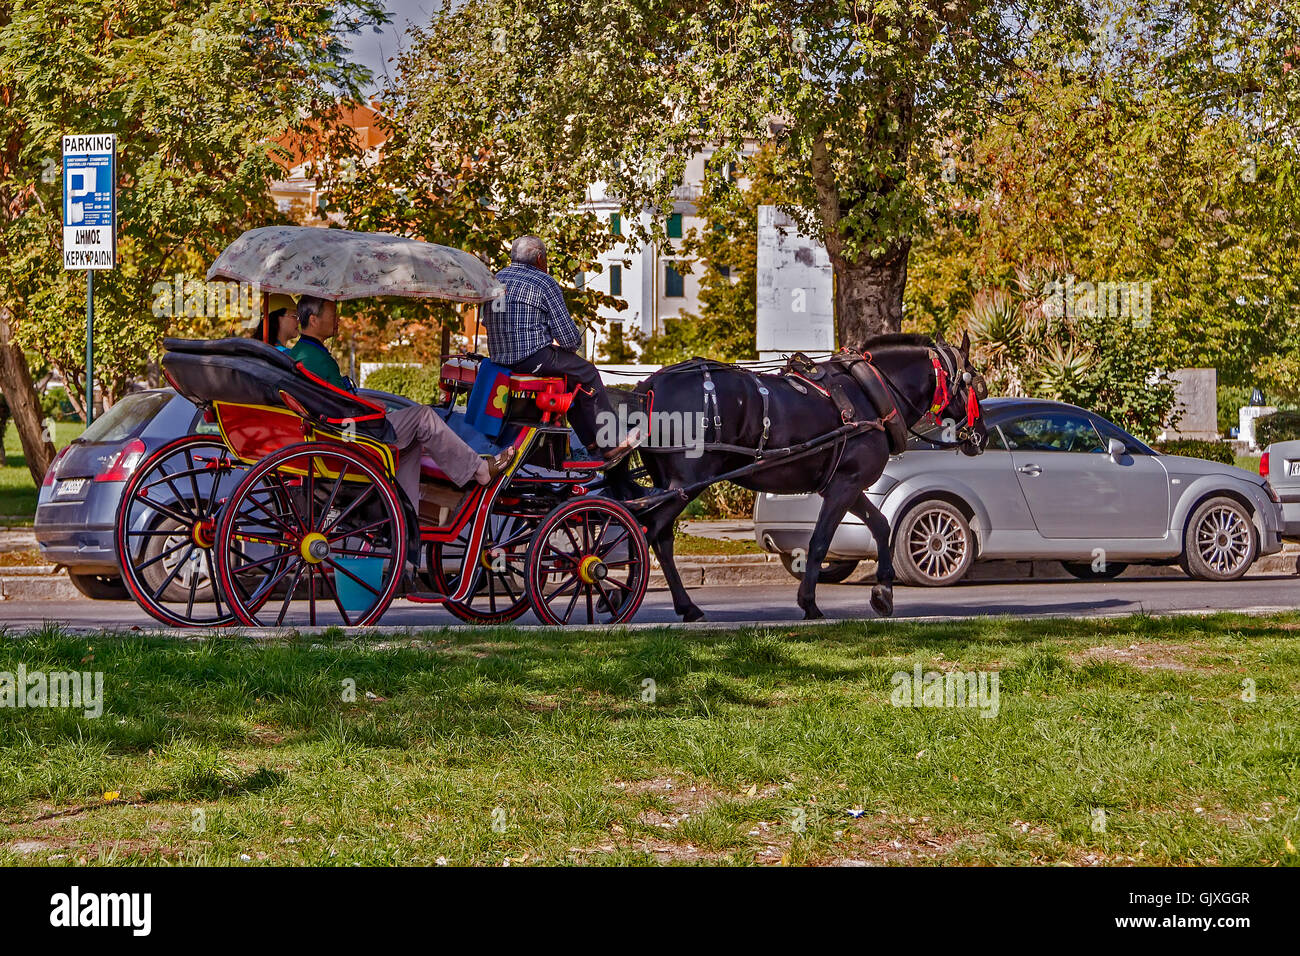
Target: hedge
<point>417,382</point>
<point>723,500</point>
<point>1280,426</point>
<point>1220,451</point>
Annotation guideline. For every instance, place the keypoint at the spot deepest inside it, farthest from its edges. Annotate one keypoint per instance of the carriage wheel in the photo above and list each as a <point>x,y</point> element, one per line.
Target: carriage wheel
<point>589,563</point>
<point>166,528</point>
<point>501,592</point>
<point>317,525</point>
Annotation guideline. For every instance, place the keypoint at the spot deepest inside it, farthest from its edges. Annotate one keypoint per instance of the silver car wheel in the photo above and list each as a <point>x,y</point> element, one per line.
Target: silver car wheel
<point>1223,540</point>
<point>937,544</point>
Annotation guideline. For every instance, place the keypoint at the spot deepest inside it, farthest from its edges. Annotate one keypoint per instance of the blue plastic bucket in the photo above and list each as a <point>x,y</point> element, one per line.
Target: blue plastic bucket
<point>351,594</point>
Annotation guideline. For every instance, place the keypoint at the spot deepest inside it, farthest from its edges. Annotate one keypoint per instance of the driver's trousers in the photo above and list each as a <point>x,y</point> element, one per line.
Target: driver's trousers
<point>591,400</point>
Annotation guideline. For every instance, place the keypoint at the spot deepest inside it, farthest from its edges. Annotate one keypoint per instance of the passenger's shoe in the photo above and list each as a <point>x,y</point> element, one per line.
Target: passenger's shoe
<point>499,462</point>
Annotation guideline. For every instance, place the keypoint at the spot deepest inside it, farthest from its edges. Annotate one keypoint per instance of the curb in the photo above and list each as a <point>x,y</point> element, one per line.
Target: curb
<point>38,583</point>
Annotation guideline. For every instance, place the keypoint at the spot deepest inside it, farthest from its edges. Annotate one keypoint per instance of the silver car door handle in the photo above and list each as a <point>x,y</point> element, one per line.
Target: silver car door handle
<point>1030,470</point>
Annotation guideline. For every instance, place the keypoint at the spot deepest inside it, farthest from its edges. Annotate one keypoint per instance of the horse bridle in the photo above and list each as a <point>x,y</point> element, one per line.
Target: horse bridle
<point>939,358</point>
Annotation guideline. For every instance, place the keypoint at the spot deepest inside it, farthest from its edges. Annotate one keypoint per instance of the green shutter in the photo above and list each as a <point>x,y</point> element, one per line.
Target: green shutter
<point>674,284</point>
<point>675,226</point>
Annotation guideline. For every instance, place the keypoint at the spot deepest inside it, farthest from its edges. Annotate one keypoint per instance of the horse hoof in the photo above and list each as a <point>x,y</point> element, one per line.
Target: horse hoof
<point>692,615</point>
<point>812,614</point>
<point>882,599</point>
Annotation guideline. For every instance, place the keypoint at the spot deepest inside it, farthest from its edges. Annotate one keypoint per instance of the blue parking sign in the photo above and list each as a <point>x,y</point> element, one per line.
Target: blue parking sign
<point>90,201</point>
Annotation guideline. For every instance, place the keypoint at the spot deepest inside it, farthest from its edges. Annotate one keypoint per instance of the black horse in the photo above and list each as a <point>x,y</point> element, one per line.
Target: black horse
<point>921,376</point>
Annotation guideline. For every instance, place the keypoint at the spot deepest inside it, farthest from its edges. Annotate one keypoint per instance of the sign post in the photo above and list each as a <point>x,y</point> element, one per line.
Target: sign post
<point>90,225</point>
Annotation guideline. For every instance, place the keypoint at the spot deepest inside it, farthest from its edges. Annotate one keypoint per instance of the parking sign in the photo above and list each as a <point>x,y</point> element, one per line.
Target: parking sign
<point>90,202</point>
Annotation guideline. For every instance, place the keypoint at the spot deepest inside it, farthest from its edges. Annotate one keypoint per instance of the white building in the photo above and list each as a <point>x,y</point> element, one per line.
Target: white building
<point>647,278</point>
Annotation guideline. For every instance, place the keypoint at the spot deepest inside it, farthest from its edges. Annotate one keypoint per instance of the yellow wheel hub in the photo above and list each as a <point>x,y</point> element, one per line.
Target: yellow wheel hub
<point>591,569</point>
<point>203,533</point>
<point>315,547</point>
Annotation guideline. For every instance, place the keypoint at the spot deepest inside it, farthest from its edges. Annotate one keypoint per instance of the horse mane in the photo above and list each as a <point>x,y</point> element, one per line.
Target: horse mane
<point>897,338</point>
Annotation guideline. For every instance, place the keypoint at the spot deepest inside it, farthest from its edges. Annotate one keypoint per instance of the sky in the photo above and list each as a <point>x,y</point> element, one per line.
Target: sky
<point>373,49</point>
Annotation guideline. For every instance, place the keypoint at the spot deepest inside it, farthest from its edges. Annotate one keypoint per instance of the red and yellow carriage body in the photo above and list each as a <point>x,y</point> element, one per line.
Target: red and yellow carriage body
<point>288,437</point>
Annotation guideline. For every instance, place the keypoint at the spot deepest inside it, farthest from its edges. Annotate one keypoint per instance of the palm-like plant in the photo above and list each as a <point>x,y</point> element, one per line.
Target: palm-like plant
<point>1000,337</point>
<point>1062,369</point>
<point>1023,348</point>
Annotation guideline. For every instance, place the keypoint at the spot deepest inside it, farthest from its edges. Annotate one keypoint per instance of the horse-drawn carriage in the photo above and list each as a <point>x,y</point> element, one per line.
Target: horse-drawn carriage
<point>289,512</point>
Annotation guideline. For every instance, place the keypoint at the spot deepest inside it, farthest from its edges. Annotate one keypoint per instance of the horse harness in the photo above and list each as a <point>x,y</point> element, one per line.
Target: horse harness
<point>803,373</point>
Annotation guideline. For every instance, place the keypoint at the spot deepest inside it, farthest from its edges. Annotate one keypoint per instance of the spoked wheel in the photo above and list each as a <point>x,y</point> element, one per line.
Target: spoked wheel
<point>588,563</point>
<point>317,534</point>
<point>166,529</point>
<point>501,591</point>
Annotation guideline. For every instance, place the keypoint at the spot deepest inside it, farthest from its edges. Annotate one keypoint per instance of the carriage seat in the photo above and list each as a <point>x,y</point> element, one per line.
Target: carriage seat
<point>242,371</point>
<point>549,393</point>
<point>459,373</point>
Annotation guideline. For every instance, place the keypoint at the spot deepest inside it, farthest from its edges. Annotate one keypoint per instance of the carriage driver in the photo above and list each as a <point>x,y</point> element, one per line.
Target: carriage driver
<point>532,333</point>
<point>418,427</point>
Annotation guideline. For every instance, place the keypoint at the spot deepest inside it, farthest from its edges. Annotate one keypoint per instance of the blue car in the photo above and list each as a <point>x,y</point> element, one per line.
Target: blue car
<point>76,510</point>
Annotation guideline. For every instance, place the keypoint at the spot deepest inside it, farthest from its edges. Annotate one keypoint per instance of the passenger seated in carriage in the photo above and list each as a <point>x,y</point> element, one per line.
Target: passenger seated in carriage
<point>281,322</point>
<point>418,427</point>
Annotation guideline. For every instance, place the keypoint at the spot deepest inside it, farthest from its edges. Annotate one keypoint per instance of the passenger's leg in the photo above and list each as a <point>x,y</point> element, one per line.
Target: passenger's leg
<point>420,429</point>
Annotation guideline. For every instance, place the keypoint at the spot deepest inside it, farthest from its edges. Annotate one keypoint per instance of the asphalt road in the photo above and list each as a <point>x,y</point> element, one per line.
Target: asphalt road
<point>775,602</point>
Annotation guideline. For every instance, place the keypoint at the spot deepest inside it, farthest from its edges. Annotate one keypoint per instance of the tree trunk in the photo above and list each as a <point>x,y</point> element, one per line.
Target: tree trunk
<point>24,403</point>
<point>869,295</point>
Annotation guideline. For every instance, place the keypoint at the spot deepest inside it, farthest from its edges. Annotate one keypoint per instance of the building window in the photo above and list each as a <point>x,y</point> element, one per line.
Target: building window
<point>675,226</point>
<point>615,280</point>
<point>615,224</point>
<point>674,284</point>
<point>724,271</point>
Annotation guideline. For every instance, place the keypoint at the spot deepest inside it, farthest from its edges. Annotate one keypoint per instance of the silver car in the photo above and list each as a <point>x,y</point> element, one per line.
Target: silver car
<point>1056,483</point>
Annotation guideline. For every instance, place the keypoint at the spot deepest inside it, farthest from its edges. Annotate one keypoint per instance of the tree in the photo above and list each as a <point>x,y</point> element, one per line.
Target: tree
<point>855,96</point>
<point>1161,160</point>
<point>446,196</point>
<point>199,93</point>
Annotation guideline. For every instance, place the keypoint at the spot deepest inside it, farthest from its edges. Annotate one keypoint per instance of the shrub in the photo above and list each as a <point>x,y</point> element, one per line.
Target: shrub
<point>55,404</point>
<point>416,382</point>
<point>1220,451</point>
<point>723,500</point>
<point>1280,426</point>
<point>1230,400</point>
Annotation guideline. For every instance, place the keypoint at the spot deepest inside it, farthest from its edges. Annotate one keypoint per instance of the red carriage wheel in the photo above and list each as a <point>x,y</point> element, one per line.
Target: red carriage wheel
<point>588,563</point>
<point>166,529</point>
<point>315,534</point>
<point>500,592</point>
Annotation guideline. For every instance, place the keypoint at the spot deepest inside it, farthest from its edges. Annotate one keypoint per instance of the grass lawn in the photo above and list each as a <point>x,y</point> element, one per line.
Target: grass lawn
<point>694,544</point>
<point>17,491</point>
<point>1116,742</point>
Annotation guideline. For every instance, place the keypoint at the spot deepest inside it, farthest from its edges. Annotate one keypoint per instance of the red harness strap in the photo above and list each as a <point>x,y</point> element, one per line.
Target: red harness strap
<point>941,394</point>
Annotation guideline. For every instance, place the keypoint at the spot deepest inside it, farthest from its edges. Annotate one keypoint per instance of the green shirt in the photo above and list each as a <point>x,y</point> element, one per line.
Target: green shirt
<point>316,359</point>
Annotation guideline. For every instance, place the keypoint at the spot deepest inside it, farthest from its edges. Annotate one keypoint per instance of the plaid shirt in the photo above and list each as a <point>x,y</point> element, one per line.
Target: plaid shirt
<point>529,317</point>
